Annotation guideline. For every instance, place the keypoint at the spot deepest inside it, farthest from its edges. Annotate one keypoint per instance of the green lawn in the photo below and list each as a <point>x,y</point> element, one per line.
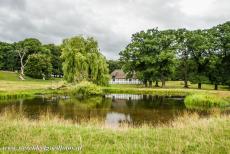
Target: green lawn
<point>9,81</point>
<point>173,85</point>
<point>12,87</point>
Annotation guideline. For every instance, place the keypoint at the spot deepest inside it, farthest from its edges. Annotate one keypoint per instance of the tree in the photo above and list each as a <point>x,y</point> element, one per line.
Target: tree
<point>220,72</point>
<point>150,54</point>
<point>55,53</point>
<point>114,64</point>
<point>83,61</point>
<point>165,62</point>
<point>200,46</point>
<point>183,55</point>
<point>38,66</point>
<point>8,57</point>
<point>24,49</point>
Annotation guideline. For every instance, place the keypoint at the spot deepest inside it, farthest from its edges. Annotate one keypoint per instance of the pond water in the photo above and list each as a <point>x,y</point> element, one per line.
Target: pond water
<point>113,109</point>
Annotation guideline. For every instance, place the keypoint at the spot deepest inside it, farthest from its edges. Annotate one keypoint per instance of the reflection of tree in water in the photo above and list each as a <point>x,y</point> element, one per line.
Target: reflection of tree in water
<point>150,109</point>
<point>85,109</point>
<point>72,108</point>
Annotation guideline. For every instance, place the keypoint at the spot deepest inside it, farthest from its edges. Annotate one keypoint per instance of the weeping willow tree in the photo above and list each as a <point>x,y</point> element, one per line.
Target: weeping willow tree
<point>83,61</point>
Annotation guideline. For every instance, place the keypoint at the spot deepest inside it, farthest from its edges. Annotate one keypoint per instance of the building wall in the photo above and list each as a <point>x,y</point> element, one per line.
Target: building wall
<point>125,81</point>
<point>124,96</point>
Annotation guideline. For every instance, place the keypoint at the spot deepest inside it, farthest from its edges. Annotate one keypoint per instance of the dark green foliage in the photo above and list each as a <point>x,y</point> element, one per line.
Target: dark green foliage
<point>8,57</point>
<point>55,52</point>
<point>151,55</point>
<point>114,64</point>
<point>221,64</point>
<point>38,66</point>
<point>199,56</point>
<point>201,47</point>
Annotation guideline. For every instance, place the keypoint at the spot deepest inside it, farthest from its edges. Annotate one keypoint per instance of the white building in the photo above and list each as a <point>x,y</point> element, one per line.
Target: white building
<point>119,77</point>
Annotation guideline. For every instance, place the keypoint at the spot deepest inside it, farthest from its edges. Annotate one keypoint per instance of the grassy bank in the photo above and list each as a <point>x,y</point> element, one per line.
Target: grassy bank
<point>199,100</point>
<point>11,88</point>
<point>188,134</point>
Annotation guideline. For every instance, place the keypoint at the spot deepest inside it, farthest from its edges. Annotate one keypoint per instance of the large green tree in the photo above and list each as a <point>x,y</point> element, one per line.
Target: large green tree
<point>25,48</point>
<point>38,66</point>
<point>221,66</point>
<point>201,47</point>
<point>82,60</point>
<point>150,54</point>
<point>183,55</point>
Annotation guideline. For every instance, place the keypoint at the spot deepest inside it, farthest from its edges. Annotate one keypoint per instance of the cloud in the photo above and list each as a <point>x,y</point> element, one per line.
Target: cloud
<point>111,22</point>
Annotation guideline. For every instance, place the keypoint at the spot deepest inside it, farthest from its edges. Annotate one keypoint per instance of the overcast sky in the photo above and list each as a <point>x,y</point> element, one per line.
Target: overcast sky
<point>111,22</point>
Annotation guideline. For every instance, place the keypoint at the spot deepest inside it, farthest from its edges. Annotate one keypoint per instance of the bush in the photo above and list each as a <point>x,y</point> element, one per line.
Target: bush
<point>204,100</point>
<point>86,88</point>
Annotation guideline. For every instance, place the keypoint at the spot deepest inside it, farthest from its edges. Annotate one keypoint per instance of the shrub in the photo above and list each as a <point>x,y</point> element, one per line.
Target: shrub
<point>204,100</point>
<point>86,88</point>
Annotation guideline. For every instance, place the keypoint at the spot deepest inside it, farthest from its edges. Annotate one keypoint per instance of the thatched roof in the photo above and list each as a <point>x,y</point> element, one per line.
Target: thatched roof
<point>120,74</point>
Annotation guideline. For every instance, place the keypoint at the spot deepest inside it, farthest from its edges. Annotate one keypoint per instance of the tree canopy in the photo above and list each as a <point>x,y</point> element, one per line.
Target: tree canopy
<point>199,56</point>
<point>83,61</point>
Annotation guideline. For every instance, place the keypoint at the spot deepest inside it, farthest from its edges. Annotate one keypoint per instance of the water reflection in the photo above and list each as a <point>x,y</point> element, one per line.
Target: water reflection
<point>113,109</point>
<point>115,119</point>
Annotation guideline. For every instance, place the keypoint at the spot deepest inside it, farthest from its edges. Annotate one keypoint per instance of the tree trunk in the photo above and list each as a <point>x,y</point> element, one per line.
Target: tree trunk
<point>216,87</point>
<point>185,83</point>
<point>21,76</point>
<point>150,84</point>
<point>199,85</point>
<point>145,82</point>
<point>156,85</point>
<point>162,81</point>
<point>22,70</point>
<point>186,75</point>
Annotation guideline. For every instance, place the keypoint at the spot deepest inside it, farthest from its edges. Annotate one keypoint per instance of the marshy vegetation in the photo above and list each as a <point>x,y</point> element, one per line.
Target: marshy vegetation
<point>205,101</point>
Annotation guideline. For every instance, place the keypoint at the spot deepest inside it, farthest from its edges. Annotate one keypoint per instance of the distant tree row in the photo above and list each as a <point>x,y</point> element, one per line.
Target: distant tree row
<point>199,56</point>
<point>114,64</point>
<point>31,58</point>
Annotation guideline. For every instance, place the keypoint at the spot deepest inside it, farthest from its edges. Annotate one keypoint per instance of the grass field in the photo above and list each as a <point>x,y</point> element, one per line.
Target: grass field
<point>9,81</point>
<point>173,85</point>
<point>187,134</point>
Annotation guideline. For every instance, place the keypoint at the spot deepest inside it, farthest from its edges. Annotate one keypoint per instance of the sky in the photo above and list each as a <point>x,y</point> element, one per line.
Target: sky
<point>110,22</point>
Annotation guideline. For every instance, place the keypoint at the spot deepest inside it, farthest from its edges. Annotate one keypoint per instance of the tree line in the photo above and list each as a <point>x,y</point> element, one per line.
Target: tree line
<point>199,56</point>
<point>32,58</point>
<point>77,58</point>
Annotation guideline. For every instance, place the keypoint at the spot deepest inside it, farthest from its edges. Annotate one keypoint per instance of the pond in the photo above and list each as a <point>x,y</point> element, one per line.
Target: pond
<point>113,109</point>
